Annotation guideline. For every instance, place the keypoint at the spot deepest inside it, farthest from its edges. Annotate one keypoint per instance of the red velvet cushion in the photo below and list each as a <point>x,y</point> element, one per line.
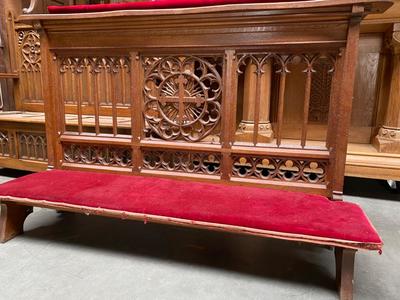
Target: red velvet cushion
<point>157,4</point>
<point>258,208</point>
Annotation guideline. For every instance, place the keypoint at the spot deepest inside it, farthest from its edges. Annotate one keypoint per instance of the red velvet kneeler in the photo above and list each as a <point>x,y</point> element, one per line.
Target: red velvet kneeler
<point>155,4</point>
<point>278,213</point>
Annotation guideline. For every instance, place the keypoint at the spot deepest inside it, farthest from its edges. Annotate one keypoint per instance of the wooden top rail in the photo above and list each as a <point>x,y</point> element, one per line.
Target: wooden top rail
<point>371,6</point>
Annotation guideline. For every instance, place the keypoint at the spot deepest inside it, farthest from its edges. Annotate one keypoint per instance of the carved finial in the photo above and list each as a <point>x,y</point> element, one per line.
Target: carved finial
<point>392,39</point>
<point>31,7</point>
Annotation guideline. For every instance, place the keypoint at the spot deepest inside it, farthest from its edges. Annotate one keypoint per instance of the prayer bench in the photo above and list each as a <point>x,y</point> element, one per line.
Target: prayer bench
<point>169,90</point>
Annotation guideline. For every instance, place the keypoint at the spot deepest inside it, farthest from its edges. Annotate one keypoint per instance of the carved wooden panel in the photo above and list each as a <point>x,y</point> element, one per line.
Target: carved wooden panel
<point>7,146</point>
<point>32,146</point>
<point>320,91</point>
<point>283,169</point>
<point>101,155</point>
<point>186,162</point>
<point>30,64</point>
<point>182,98</point>
<point>370,70</point>
<point>85,78</point>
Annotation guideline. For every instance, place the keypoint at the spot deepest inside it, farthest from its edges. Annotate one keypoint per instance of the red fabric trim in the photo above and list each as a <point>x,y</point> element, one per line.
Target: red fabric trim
<point>256,208</point>
<point>155,4</point>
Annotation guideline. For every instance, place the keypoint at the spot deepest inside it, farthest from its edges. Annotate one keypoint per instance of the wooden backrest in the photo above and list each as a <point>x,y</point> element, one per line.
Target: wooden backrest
<point>199,93</point>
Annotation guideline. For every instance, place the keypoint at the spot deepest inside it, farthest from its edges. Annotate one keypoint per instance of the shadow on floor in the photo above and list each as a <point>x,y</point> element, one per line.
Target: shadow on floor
<point>370,188</point>
<point>13,173</point>
<point>267,258</point>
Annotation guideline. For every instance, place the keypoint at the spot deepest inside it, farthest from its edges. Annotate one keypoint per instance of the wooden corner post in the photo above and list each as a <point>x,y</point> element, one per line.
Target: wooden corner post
<point>344,103</point>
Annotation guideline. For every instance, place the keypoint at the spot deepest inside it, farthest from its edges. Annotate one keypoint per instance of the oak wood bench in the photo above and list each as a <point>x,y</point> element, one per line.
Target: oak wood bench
<point>268,213</point>
<point>201,88</point>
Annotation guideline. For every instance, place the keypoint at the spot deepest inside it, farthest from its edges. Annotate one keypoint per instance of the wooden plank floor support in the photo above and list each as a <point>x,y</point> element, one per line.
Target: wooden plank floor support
<point>345,272</point>
<point>12,219</point>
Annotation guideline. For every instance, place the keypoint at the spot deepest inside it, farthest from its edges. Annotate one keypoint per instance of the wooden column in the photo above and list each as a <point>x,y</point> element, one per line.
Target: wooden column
<point>256,104</point>
<point>53,105</point>
<point>388,138</point>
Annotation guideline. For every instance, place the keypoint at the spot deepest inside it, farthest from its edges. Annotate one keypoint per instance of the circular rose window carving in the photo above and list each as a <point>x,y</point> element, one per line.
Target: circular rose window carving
<point>182,97</point>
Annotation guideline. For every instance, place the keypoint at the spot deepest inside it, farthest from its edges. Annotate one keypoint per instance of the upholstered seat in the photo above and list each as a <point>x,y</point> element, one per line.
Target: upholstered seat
<point>155,4</point>
<point>261,211</point>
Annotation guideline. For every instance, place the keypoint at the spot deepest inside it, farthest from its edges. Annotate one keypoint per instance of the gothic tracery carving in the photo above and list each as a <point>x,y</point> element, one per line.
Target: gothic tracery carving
<point>187,162</point>
<point>98,155</point>
<point>5,142</point>
<point>32,146</point>
<point>320,91</point>
<point>182,97</point>
<point>29,42</point>
<point>269,168</point>
<point>95,64</point>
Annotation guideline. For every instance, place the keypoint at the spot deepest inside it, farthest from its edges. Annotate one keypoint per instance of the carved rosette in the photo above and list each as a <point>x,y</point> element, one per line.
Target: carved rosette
<point>269,168</point>
<point>29,43</point>
<point>98,155</point>
<point>182,97</point>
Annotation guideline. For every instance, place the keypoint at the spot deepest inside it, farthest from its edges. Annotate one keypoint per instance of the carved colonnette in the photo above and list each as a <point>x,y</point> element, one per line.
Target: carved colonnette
<point>388,137</point>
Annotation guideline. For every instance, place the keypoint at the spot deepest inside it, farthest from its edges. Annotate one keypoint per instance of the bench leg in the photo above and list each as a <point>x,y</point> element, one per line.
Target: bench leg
<point>345,272</point>
<point>12,219</point>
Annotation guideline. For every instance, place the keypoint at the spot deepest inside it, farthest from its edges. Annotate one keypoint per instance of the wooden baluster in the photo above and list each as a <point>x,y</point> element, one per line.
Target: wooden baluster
<point>63,98</point>
<point>96,103</point>
<point>123,84</point>
<point>282,84</point>
<point>257,106</point>
<point>136,110</point>
<point>113,104</point>
<point>78,82</point>
<point>307,95</point>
